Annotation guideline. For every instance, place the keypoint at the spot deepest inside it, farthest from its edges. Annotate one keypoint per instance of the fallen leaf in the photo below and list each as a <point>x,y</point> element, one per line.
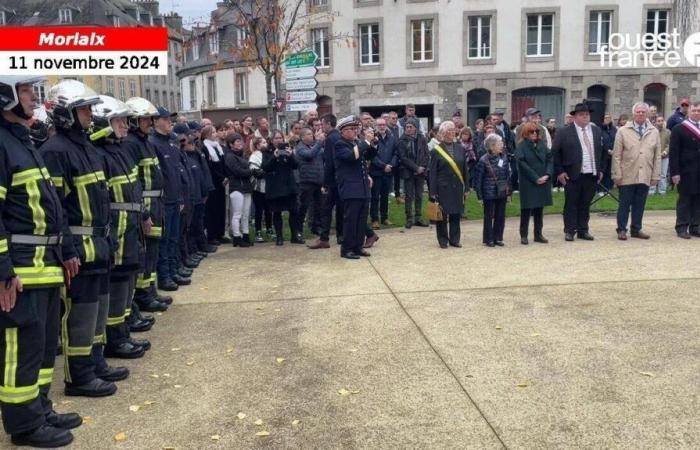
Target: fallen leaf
<point>262,433</point>
<point>168,448</point>
<point>280,360</point>
<point>178,386</point>
<point>190,363</point>
<point>204,288</point>
<point>499,327</point>
<point>354,392</point>
<point>535,334</point>
<point>470,376</point>
<point>166,375</point>
<point>343,392</point>
<point>353,350</point>
<point>149,402</point>
<point>295,422</point>
<point>522,385</point>
<point>647,374</point>
<point>87,420</point>
<point>120,437</point>
<point>66,402</point>
<point>215,437</point>
<point>159,314</point>
<point>175,349</point>
<point>134,408</point>
<point>230,350</point>
<point>258,422</point>
<point>277,310</point>
<point>241,416</point>
<point>153,375</point>
<point>261,313</point>
<point>259,308</point>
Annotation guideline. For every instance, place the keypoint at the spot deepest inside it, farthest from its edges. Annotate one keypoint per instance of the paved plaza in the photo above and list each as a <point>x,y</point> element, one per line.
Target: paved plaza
<point>560,346</point>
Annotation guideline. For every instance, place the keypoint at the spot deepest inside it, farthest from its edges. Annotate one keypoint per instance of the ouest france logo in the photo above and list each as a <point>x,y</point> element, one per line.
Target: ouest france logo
<point>649,50</point>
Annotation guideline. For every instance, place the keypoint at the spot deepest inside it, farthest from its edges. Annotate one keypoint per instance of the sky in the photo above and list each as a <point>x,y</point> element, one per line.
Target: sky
<point>190,10</point>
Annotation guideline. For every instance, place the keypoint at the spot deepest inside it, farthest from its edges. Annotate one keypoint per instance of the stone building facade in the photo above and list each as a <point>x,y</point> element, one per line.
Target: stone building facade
<point>479,56</point>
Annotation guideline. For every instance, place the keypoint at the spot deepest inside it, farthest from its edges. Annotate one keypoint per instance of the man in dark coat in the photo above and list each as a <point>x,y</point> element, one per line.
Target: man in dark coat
<point>679,115</point>
<point>353,188</point>
<point>578,164</point>
<point>381,168</point>
<point>413,151</point>
<point>684,165</point>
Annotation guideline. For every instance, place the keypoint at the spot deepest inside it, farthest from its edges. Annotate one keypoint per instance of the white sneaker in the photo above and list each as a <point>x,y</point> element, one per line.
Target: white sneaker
<point>600,194</point>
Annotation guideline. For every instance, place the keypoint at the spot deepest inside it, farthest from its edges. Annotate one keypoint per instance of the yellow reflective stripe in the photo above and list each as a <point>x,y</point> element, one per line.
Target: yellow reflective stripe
<point>3,192</point>
<point>84,202</point>
<point>10,357</point>
<point>145,162</point>
<point>39,254</point>
<point>25,176</point>
<point>119,179</point>
<point>3,246</point>
<point>40,275</point>
<point>121,226</point>
<point>141,282</point>
<point>58,181</point>
<point>89,246</point>
<point>64,331</point>
<point>45,376</point>
<point>156,232</point>
<point>147,178</point>
<point>89,178</point>
<point>17,395</point>
<point>111,321</point>
<point>99,339</point>
<point>78,351</point>
<point>127,312</point>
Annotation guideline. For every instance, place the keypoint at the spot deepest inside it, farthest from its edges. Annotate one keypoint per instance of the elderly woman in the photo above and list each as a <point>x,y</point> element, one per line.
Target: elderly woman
<point>447,178</point>
<point>492,175</point>
<point>536,170</point>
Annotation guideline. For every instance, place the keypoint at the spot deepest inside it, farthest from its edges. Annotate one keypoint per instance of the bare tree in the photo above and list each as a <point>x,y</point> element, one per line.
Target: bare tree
<point>687,16</point>
<point>274,28</point>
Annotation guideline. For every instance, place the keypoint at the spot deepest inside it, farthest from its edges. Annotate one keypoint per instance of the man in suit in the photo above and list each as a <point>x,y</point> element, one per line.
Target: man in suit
<point>354,186</point>
<point>578,159</point>
<point>684,166</point>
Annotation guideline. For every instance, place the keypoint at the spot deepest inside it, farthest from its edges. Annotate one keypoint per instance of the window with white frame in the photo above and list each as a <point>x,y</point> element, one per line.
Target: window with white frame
<point>599,28</point>
<point>241,37</point>
<point>65,15</point>
<point>320,43</point>
<point>317,3</point>
<point>3,18</point>
<point>122,89</point>
<point>193,94</point>
<point>115,21</point>
<point>110,87</point>
<point>132,88</point>
<point>241,88</point>
<point>540,34</point>
<point>211,91</point>
<point>195,49</point>
<point>422,36</point>
<point>40,92</point>
<point>657,23</point>
<point>369,44</point>
<point>479,37</point>
<point>214,43</point>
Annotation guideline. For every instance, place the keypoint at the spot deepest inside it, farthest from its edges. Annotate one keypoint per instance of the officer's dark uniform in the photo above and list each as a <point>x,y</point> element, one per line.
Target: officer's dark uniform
<point>173,190</point>
<point>29,247</point>
<point>201,186</point>
<point>191,195</point>
<point>126,214</point>
<point>79,176</point>
<point>151,179</point>
<point>354,190</point>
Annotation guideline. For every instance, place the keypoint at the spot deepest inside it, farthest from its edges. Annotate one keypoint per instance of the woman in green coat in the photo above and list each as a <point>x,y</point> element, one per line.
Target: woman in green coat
<point>536,170</point>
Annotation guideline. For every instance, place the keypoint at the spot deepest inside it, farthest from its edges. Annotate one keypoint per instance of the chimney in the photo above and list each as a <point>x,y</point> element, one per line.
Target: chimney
<point>151,6</point>
<point>174,20</point>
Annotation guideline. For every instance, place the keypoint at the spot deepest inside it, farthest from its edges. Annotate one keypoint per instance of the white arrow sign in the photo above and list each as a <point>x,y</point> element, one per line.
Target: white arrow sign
<point>301,84</point>
<point>300,106</point>
<point>295,73</point>
<point>301,96</point>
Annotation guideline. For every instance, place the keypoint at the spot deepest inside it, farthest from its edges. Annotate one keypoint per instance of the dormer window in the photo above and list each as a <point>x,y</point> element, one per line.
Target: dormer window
<point>65,15</point>
<point>3,18</point>
<point>115,21</point>
<point>214,43</point>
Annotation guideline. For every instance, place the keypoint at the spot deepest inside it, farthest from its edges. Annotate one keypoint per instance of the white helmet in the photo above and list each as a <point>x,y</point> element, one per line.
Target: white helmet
<point>9,98</point>
<point>64,97</point>
<point>140,107</point>
<point>103,113</point>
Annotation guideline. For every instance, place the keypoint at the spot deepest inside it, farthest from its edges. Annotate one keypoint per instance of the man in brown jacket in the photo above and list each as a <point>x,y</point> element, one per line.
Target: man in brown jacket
<point>636,165</point>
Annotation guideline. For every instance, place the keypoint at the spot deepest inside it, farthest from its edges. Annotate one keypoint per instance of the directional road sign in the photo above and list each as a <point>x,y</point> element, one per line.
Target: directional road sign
<point>302,84</point>
<point>301,107</point>
<point>294,73</point>
<point>307,58</point>
<point>301,96</point>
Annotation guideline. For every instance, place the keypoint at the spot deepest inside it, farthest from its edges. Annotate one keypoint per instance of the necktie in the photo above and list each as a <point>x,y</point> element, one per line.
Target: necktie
<point>641,131</point>
<point>589,148</point>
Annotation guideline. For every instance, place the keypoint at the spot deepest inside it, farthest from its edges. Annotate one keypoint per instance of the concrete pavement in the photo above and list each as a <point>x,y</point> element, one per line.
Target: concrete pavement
<point>565,345</point>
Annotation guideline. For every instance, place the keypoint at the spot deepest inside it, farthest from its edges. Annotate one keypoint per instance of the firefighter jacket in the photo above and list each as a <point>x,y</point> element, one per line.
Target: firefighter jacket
<point>149,172</point>
<point>30,211</point>
<point>126,205</point>
<point>174,177</point>
<point>77,172</point>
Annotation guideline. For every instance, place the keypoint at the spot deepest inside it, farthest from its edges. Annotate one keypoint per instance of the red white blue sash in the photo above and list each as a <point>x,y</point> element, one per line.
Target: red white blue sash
<point>692,128</point>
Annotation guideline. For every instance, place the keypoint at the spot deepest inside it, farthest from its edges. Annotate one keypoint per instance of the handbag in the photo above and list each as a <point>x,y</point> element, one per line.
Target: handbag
<point>434,212</point>
<point>502,188</point>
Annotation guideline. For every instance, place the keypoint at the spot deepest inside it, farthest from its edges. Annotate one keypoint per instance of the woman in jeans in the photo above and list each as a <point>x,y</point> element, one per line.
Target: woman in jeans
<point>281,187</point>
<point>240,188</point>
<point>260,147</point>
<point>536,171</point>
<point>491,178</point>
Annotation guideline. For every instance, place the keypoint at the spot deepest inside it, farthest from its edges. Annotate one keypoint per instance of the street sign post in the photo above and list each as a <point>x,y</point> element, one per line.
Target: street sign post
<point>300,77</point>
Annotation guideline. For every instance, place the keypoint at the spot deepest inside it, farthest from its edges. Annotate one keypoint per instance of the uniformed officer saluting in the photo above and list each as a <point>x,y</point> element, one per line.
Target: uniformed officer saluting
<point>80,181</point>
<point>30,277</point>
<point>353,188</point>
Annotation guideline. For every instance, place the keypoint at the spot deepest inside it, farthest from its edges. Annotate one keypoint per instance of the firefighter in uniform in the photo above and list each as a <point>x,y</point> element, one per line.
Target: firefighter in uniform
<point>31,272</point>
<point>126,232</point>
<point>144,154</point>
<point>79,177</point>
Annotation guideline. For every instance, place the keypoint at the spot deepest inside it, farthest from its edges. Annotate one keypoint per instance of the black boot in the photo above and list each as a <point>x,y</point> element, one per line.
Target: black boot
<point>153,305</point>
<point>280,240</point>
<point>236,241</point>
<point>124,351</point>
<point>167,285</point>
<point>297,239</point>
<point>143,343</point>
<point>181,281</point>
<point>168,300</point>
<point>64,421</point>
<point>46,436</point>
<point>246,239</point>
<point>243,241</point>
<point>113,374</point>
<point>95,388</point>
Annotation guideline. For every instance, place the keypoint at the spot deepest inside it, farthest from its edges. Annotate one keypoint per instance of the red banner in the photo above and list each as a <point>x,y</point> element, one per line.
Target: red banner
<point>60,38</point>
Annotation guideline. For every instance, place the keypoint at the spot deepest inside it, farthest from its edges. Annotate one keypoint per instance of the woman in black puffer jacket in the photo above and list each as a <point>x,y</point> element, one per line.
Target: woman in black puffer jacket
<point>491,183</point>
<point>240,188</point>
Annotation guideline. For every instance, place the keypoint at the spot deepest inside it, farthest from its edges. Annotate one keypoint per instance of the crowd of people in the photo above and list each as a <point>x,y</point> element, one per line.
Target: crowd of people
<point>105,202</point>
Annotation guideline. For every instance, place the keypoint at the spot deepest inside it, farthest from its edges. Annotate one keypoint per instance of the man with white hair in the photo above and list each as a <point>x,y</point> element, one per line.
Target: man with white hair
<point>636,165</point>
